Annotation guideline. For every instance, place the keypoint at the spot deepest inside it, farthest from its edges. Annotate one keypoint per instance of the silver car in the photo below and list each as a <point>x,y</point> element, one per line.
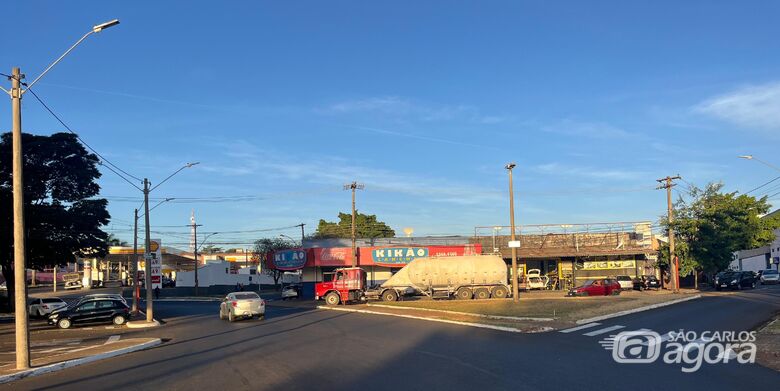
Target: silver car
<point>626,283</point>
<point>770,276</point>
<point>43,307</point>
<point>241,305</point>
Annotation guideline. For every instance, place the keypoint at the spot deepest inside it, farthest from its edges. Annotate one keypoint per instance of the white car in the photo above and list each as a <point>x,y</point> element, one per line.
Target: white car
<point>770,276</point>
<point>626,283</point>
<point>241,305</point>
<point>290,292</point>
<point>535,280</point>
<point>43,307</point>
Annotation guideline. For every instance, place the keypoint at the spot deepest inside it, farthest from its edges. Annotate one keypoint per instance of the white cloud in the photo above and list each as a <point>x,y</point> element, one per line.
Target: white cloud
<point>596,130</point>
<point>752,106</point>
<point>407,109</point>
<point>590,172</point>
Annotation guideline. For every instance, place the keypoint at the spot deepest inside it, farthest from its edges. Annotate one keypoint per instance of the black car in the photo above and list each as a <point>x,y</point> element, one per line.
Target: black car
<point>735,280</point>
<point>646,282</point>
<point>100,310</point>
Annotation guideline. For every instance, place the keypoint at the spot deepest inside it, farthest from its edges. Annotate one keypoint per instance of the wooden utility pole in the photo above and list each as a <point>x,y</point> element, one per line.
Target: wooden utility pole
<point>134,266</point>
<point>302,233</point>
<point>195,253</point>
<point>674,262</point>
<point>20,273</point>
<point>353,186</point>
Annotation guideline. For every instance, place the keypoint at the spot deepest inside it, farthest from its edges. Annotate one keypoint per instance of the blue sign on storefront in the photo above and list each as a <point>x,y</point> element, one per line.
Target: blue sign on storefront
<point>398,255</point>
<point>289,259</point>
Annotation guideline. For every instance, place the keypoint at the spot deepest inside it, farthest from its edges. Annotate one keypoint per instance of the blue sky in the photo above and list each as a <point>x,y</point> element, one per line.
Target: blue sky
<point>424,103</point>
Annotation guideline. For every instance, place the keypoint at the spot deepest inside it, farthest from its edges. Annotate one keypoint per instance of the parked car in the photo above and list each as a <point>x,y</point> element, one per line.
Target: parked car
<point>73,284</point>
<point>291,291</point>
<point>535,280</point>
<point>770,276</point>
<point>625,282</point>
<point>241,305</point>
<point>43,307</point>
<point>597,287</point>
<point>100,310</point>
<point>112,296</point>
<point>646,282</point>
<point>735,280</point>
<point>168,283</point>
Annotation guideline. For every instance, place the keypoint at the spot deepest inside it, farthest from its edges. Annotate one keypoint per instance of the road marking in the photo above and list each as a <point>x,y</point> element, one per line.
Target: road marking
<point>50,350</point>
<point>589,325</point>
<point>112,339</point>
<point>604,330</point>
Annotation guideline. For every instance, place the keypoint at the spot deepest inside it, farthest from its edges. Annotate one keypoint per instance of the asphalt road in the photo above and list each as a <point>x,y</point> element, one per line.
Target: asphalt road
<point>327,350</point>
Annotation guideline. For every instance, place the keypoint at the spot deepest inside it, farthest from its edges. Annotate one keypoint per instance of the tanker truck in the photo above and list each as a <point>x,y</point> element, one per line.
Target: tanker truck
<point>461,277</point>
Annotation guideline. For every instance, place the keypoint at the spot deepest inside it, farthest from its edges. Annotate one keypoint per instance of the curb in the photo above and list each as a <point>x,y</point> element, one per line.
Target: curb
<point>479,325</point>
<point>500,317</point>
<point>142,324</point>
<point>635,310</point>
<point>75,362</point>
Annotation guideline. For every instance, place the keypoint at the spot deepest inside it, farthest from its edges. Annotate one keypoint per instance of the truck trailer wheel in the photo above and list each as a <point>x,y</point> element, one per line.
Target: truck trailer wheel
<point>499,292</point>
<point>481,293</point>
<point>332,298</point>
<point>464,293</point>
<point>389,295</point>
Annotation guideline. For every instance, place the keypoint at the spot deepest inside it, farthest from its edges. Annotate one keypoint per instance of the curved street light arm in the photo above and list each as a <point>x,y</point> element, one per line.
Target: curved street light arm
<point>188,165</point>
<point>96,29</point>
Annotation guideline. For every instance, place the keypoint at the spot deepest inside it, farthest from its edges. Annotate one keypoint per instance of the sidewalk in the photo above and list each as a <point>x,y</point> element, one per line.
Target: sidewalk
<point>78,356</point>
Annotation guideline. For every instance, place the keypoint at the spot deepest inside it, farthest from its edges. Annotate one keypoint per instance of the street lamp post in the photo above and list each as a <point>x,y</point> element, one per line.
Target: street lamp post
<point>148,242</point>
<point>20,288</point>
<point>515,289</point>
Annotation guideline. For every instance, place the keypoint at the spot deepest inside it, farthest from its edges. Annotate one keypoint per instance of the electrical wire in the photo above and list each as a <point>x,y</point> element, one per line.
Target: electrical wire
<point>85,144</point>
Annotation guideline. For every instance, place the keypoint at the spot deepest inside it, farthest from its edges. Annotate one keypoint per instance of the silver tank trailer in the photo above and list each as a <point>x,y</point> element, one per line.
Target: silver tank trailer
<point>430,274</point>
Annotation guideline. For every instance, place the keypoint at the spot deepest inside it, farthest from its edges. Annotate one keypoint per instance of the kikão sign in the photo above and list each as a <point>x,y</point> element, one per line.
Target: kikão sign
<point>289,259</point>
<point>397,255</point>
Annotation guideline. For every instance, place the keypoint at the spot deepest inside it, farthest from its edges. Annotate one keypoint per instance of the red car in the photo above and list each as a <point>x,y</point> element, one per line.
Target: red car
<point>597,287</point>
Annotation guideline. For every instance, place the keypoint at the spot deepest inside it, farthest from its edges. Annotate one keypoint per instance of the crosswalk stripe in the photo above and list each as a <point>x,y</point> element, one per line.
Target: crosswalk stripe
<point>604,330</point>
<point>589,325</point>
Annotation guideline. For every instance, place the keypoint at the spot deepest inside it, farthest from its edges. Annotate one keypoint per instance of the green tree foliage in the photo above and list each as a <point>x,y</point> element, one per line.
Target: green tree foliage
<point>366,226</point>
<point>114,241</point>
<point>211,249</point>
<point>710,225</point>
<point>62,219</point>
<point>264,248</point>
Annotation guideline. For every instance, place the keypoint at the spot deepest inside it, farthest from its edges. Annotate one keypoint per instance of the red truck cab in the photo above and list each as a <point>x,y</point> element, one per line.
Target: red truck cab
<point>344,284</point>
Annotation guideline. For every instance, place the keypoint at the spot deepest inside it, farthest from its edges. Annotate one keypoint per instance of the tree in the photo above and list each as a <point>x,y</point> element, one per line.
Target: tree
<point>114,241</point>
<point>710,225</point>
<point>62,219</point>
<point>366,226</point>
<point>211,249</point>
<point>264,248</point>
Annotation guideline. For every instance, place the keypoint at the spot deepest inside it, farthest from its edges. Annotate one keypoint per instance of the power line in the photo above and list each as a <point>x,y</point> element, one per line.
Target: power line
<point>85,144</point>
<point>762,185</point>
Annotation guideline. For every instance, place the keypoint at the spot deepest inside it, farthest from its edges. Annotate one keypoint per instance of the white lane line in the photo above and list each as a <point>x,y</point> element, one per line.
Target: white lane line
<point>589,325</point>
<point>112,339</point>
<point>50,350</point>
<point>604,330</point>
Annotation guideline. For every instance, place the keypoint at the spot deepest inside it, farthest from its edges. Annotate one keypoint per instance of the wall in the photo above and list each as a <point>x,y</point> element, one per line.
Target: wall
<point>754,263</point>
<point>214,274</point>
